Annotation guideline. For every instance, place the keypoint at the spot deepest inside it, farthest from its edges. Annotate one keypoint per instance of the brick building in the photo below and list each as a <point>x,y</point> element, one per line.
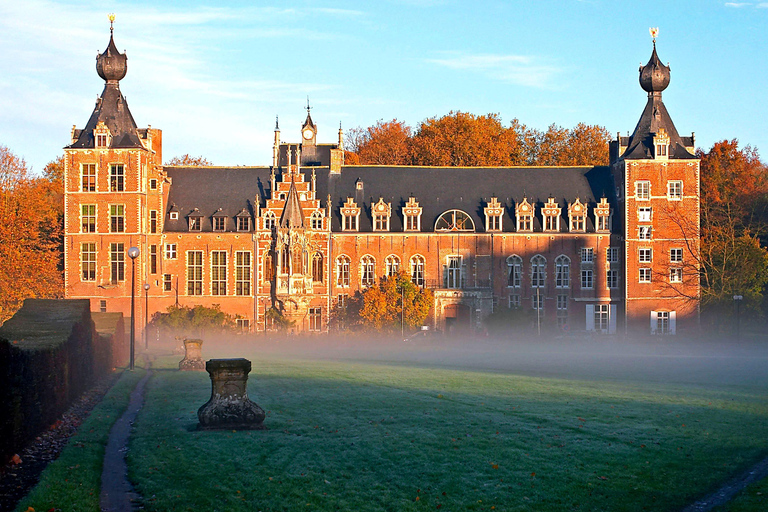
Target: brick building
<point>603,249</point>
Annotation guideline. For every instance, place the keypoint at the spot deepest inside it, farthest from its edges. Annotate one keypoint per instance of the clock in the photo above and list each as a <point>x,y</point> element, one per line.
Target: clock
<point>308,133</point>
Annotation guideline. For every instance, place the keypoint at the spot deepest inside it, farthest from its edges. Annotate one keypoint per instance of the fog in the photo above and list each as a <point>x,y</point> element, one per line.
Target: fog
<point>667,360</point>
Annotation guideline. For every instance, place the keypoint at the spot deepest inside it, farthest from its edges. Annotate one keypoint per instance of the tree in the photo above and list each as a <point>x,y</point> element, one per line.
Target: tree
<point>385,143</point>
<point>581,145</point>
<point>186,160</point>
<point>393,303</point>
<point>31,233</point>
<point>185,321</point>
<point>462,139</point>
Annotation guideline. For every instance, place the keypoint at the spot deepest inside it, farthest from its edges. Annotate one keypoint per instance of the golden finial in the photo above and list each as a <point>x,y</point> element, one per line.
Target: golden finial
<point>111,21</point>
<point>654,33</point>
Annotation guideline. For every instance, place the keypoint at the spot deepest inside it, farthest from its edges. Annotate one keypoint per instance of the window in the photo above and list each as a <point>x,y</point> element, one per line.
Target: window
<point>538,271</point>
<point>317,267</point>
<point>675,190</point>
<point>562,272</point>
<point>577,222</point>
<point>380,222</point>
<point>153,221</point>
<point>269,267</point>
<point>219,223</point>
<point>367,275</point>
<point>587,254</point>
<point>514,301</point>
<point>601,317</point>
<point>117,262</point>
<point>243,223</point>
<point>153,259</point>
<point>644,214</point>
<point>341,300</point>
<point>454,220</point>
<point>243,324</point>
<point>417,270</point>
<point>537,300</point>
<point>270,221</point>
<point>662,322</point>
<point>103,306</point>
<point>195,223</point>
<point>101,140</point>
<point>661,150</point>
<point>603,223</point>
<point>88,173</point>
<point>392,264</point>
<point>675,275</point>
<point>153,184</point>
<point>412,222</point>
<point>88,261</point>
<point>642,190</point>
<point>342,271</point>
<point>676,255</point>
<point>170,251</point>
<point>612,255</point>
<point>453,272</point>
<point>514,271</point>
<point>88,218</point>
<point>350,223</point>
<point>494,223</point>
<point>316,220</point>
<point>612,279</point>
<point>116,218</point>
<point>195,273</point>
<point>174,215</point>
<point>315,315</point>
<point>550,223</point>
<point>645,255</point>
<point>562,303</point>
<point>218,272</point>
<point>586,279</point>
<point>116,178</point>
<point>167,286</point>
<point>242,273</point>
<point>644,232</point>
<point>644,275</point>
<point>525,223</point>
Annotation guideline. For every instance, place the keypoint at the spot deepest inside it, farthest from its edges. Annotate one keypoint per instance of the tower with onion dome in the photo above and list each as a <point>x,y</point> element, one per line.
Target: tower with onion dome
<point>656,173</point>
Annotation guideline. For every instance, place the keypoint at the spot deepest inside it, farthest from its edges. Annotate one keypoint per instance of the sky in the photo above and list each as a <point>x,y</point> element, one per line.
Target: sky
<point>214,75</point>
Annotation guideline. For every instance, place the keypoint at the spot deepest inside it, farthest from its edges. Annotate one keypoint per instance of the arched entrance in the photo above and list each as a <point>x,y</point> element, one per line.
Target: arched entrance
<point>456,318</point>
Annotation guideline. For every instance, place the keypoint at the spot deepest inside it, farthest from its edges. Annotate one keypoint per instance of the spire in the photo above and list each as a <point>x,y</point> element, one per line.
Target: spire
<point>654,78</point>
<point>292,216</point>
<point>277,124</point>
<point>111,65</point>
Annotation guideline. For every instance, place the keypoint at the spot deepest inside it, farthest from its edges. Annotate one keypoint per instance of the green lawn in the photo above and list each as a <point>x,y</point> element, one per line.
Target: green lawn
<point>375,436</point>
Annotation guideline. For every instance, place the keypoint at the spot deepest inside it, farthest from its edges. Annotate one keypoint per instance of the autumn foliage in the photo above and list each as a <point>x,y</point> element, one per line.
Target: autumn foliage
<point>31,233</point>
<point>187,160</point>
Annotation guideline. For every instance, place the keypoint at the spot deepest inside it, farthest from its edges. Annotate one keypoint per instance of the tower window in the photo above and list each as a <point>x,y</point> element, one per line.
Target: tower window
<point>116,178</point>
<point>675,190</point>
<point>88,177</point>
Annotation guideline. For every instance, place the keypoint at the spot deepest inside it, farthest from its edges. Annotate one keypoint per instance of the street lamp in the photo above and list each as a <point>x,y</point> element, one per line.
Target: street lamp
<point>146,315</point>
<point>737,299</point>
<point>133,253</point>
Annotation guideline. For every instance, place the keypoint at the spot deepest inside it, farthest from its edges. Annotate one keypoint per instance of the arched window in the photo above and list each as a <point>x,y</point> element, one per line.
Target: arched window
<point>514,271</point>
<point>392,265</point>
<point>417,270</point>
<point>317,267</point>
<point>454,220</point>
<point>270,221</point>
<point>342,271</point>
<point>367,273</point>
<point>285,259</point>
<point>538,271</point>
<point>316,220</point>
<point>269,267</point>
<point>562,272</point>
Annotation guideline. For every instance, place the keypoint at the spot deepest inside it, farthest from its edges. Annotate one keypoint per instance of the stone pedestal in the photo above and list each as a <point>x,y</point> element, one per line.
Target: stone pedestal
<point>229,407</point>
<point>193,356</point>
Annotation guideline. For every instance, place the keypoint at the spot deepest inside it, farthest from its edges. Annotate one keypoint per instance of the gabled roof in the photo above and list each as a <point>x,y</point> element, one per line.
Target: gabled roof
<point>112,109</point>
<point>292,216</point>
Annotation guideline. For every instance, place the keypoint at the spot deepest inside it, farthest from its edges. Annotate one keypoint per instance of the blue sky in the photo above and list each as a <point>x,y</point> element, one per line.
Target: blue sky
<point>213,76</point>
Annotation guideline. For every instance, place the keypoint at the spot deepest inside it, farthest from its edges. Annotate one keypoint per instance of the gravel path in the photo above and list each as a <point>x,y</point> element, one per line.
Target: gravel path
<point>117,494</point>
<point>729,491</point>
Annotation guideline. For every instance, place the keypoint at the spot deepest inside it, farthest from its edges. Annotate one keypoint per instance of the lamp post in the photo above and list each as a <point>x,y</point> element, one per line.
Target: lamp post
<point>133,253</point>
<point>146,315</point>
<point>737,299</point>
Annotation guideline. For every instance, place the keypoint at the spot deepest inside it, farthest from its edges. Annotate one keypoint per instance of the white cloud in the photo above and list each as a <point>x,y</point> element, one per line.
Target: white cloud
<point>737,4</point>
<point>516,69</point>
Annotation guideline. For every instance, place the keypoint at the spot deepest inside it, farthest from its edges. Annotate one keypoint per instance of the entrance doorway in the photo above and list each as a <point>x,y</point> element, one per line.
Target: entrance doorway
<point>456,318</point>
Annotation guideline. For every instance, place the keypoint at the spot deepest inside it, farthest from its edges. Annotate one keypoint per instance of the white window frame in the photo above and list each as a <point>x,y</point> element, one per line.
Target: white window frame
<point>587,279</point>
<point>644,214</point>
<point>243,271</point>
<point>417,264</point>
<point>675,275</point>
<point>170,252</point>
<point>88,181</point>
<point>367,271</point>
<point>562,272</point>
<point>643,190</point>
<point>194,272</point>
<point>514,271</point>
<point>88,261</point>
<point>676,255</point>
<point>645,232</point>
<point>645,255</point>
<point>343,264</point>
<point>644,275</point>
<point>219,273</point>
<point>538,271</point>
<point>587,254</point>
<point>675,190</point>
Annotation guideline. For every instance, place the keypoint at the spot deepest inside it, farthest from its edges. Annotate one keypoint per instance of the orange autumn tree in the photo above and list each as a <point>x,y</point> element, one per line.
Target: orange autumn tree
<point>385,143</point>
<point>582,145</point>
<point>393,302</point>
<point>187,160</point>
<point>31,233</point>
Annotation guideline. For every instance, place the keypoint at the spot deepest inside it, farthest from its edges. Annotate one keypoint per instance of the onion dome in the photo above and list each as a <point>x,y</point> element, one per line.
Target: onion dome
<point>654,76</point>
<point>111,65</point>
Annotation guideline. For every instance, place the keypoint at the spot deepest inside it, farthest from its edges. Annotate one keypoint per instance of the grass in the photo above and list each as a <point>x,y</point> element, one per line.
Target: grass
<point>353,436</point>
<point>72,482</point>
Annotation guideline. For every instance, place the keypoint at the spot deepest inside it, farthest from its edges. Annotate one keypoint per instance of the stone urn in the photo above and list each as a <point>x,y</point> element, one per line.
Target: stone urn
<point>229,407</point>
<point>193,355</point>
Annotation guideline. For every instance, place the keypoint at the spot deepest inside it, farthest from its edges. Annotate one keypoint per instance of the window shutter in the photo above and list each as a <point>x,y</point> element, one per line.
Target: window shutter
<point>654,323</point>
<point>612,319</point>
<point>590,317</point>
<point>672,321</point>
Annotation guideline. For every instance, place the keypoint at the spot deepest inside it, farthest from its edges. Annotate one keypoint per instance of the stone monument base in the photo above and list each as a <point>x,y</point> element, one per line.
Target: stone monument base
<point>229,407</point>
<point>193,356</point>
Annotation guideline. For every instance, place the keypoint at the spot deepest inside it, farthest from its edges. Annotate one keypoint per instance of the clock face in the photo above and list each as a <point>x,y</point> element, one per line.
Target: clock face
<point>308,133</point>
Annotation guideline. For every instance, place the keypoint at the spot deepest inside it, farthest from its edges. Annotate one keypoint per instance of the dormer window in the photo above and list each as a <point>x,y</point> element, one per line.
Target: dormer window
<point>359,184</point>
<point>195,221</point>
<point>524,214</point>
<point>551,215</point>
<point>661,144</point>
<point>577,213</point>
<point>316,220</point>
<point>243,220</point>
<point>412,215</point>
<point>603,216</point>
<point>350,213</point>
<point>219,221</point>
<point>493,213</point>
<point>174,215</point>
<point>454,220</point>
<point>101,136</point>
<point>381,213</point>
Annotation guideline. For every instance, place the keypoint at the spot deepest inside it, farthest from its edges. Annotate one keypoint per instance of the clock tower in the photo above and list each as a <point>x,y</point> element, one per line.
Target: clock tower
<point>308,130</point>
